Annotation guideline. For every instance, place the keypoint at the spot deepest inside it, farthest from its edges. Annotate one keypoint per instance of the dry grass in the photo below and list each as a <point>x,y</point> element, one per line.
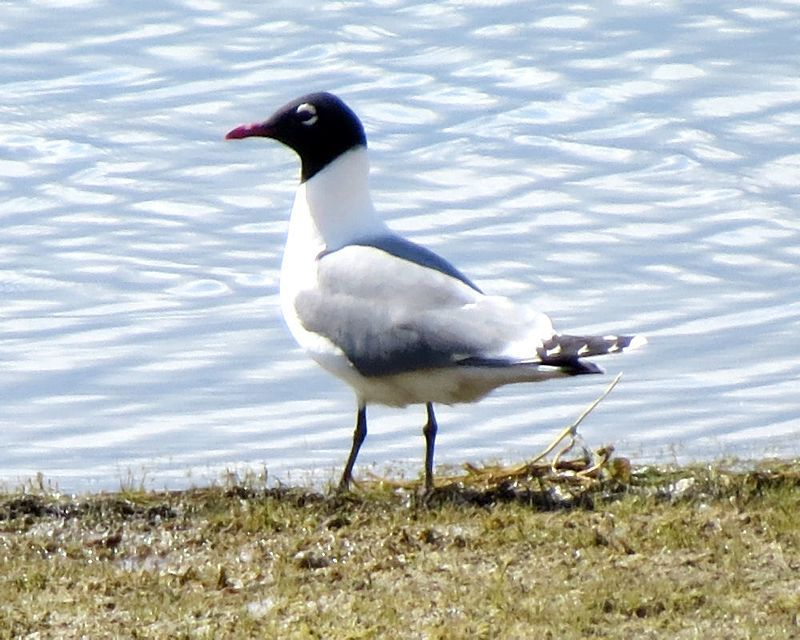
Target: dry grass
<point>676,553</point>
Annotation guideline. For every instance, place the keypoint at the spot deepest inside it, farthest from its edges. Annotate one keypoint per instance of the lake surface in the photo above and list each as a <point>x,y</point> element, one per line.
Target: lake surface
<point>630,168</point>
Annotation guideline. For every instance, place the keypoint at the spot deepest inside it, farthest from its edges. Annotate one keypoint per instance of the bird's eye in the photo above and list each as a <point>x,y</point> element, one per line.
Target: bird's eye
<point>307,113</point>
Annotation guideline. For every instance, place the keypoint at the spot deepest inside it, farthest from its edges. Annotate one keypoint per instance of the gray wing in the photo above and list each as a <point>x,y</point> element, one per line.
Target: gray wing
<point>392,315</point>
<point>412,252</point>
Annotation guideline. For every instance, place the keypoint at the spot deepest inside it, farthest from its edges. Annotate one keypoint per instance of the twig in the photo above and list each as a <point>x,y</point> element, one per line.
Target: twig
<point>572,430</point>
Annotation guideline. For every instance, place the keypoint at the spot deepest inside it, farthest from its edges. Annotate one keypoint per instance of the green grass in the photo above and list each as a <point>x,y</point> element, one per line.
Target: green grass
<point>667,553</point>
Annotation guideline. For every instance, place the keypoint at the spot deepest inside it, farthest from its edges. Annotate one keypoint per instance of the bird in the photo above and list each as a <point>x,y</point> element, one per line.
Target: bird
<point>394,320</point>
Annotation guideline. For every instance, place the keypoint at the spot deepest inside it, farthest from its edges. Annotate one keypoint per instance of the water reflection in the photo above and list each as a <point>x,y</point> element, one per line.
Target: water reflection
<point>629,169</point>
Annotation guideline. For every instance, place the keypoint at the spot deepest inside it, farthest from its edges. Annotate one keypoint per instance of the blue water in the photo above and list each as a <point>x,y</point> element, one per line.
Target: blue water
<point>633,167</point>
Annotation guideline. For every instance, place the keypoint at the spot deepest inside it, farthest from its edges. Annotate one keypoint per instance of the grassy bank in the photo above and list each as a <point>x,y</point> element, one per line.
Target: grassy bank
<point>676,553</point>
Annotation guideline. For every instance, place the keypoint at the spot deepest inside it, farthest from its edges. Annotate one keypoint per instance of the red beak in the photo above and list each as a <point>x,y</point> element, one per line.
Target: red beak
<point>259,129</point>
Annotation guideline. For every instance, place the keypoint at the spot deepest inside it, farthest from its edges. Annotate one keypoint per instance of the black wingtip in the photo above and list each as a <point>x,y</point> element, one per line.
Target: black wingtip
<point>581,368</point>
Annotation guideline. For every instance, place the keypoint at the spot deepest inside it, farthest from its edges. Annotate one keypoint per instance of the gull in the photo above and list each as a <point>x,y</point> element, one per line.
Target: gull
<point>394,320</point>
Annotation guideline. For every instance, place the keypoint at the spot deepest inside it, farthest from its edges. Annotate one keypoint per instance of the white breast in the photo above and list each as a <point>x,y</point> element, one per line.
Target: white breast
<point>330,210</point>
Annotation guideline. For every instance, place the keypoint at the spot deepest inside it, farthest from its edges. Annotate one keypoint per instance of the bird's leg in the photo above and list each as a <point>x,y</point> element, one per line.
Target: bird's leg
<point>429,431</point>
<point>358,438</point>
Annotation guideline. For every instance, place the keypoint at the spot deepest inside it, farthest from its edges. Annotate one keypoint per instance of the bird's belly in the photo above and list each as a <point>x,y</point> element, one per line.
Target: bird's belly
<point>451,385</point>
<point>444,386</point>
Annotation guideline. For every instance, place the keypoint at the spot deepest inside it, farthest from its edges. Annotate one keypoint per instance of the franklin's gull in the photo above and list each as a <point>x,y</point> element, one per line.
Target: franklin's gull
<point>398,323</point>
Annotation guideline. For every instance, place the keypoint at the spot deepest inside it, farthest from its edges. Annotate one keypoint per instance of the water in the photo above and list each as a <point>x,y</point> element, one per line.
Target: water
<point>630,168</point>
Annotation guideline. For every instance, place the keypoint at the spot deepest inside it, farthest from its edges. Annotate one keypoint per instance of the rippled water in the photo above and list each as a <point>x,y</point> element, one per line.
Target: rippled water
<point>630,168</point>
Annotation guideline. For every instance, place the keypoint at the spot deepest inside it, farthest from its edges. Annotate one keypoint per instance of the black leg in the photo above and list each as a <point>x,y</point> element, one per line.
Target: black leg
<point>358,438</point>
<point>429,430</point>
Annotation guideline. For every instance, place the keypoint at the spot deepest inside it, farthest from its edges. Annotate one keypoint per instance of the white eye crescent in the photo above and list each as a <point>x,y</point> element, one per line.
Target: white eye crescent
<point>307,113</point>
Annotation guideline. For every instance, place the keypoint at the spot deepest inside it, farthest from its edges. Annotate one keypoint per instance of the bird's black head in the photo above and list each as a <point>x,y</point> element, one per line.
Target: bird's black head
<point>318,126</point>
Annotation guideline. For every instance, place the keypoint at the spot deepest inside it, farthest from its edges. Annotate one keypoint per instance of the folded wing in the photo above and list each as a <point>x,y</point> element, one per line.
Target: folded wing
<point>391,314</point>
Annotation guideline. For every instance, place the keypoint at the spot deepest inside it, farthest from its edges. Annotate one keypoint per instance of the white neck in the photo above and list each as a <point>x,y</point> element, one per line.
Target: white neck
<point>331,210</point>
<point>334,207</point>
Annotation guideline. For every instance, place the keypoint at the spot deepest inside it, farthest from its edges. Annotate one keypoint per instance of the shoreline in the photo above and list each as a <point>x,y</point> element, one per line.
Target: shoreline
<point>638,551</point>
